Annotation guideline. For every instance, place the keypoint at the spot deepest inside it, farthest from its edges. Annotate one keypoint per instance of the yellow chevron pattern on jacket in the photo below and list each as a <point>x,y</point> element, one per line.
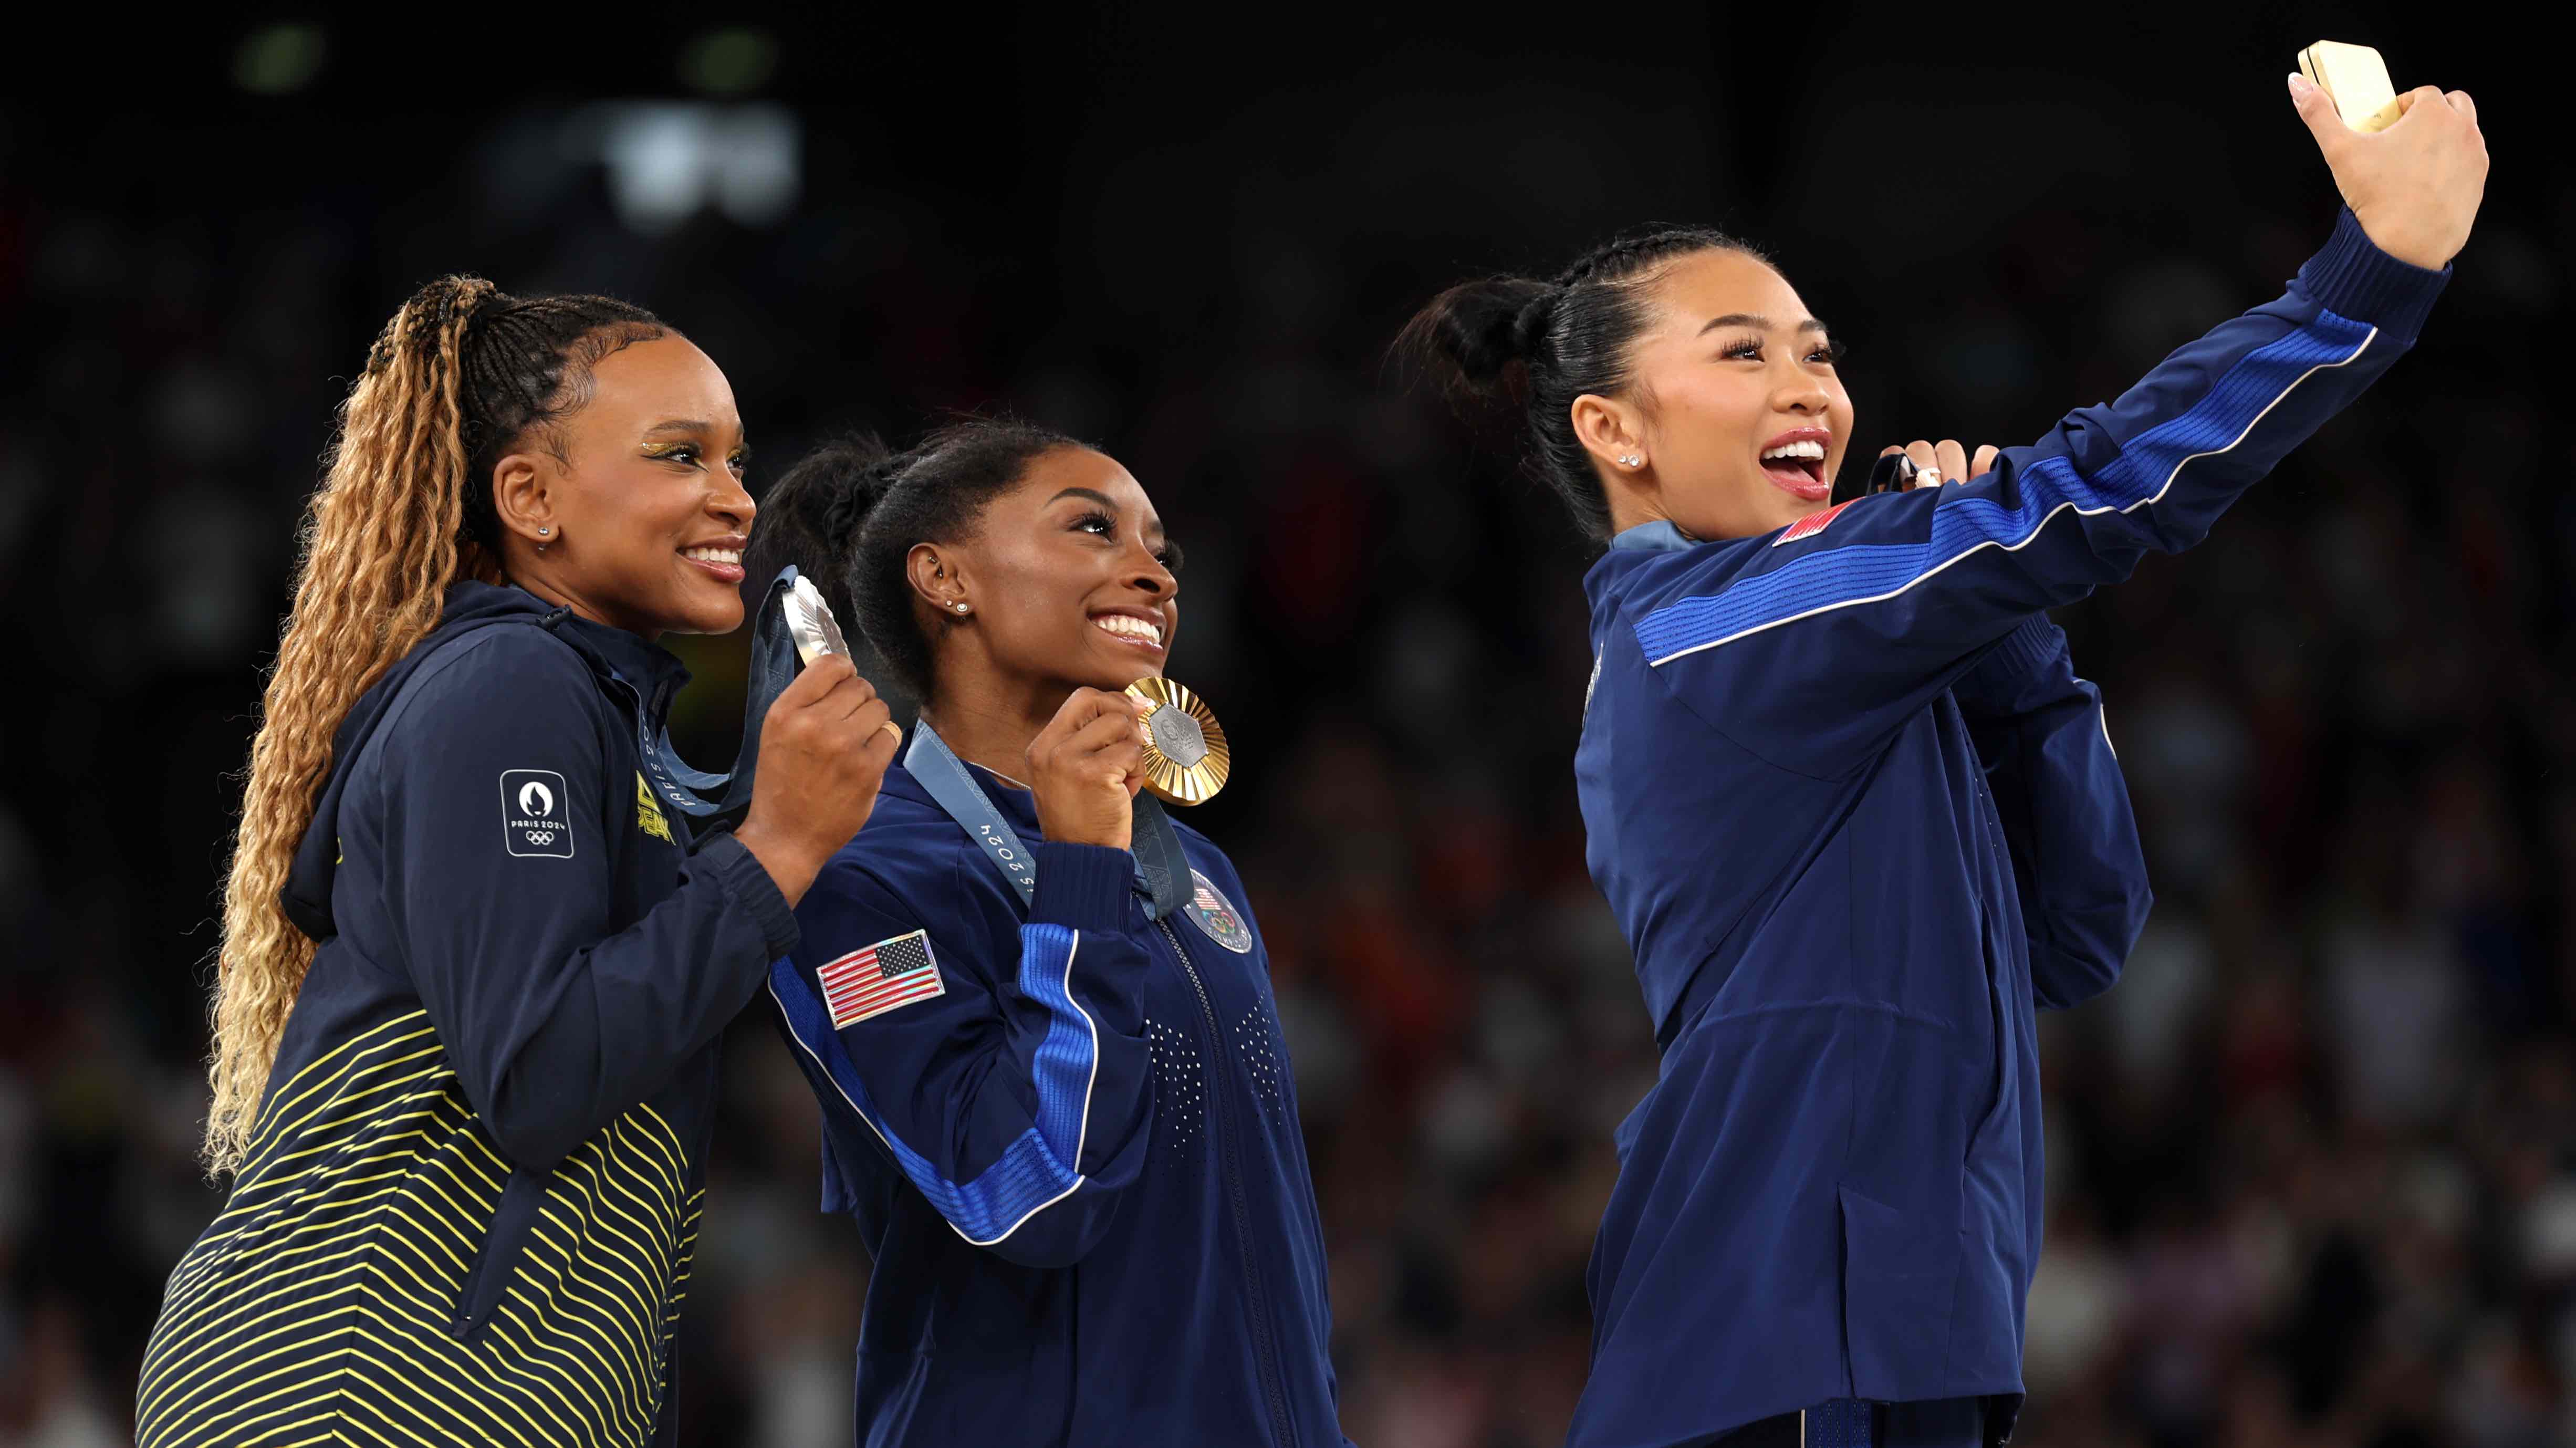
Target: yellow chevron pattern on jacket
<point>325,1303</point>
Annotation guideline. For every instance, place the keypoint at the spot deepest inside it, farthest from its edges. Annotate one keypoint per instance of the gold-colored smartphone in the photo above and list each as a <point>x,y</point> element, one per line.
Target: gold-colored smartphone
<point>2355,79</point>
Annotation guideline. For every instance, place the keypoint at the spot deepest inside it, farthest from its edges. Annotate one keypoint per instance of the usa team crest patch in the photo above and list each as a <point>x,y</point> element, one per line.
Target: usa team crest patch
<point>1216,917</point>
<point>1812,524</point>
<point>886,976</point>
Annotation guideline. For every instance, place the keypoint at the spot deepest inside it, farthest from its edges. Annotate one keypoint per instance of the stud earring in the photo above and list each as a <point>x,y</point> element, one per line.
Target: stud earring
<point>961,608</point>
<point>541,532</point>
<point>1630,460</point>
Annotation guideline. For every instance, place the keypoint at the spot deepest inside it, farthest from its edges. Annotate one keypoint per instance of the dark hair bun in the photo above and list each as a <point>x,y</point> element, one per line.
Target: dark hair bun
<point>1471,335</point>
<point>812,514</point>
<point>849,513</point>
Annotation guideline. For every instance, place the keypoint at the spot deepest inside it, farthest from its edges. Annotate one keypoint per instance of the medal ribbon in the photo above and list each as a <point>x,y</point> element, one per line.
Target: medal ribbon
<point>722,798</point>
<point>1165,870</point>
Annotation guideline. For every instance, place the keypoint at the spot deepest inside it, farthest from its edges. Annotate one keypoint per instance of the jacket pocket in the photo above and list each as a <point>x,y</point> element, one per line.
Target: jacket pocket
<point>505,1244</point>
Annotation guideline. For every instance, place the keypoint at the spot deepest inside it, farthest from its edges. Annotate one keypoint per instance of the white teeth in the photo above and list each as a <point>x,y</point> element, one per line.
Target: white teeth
<point>1129,626</point>
<point>713,555</point>
<point>1807,448</point>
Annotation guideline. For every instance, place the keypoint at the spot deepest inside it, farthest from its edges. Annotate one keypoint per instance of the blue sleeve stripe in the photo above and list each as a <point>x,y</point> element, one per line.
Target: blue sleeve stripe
<point>1039,1167</point>
<point>1830,578</point>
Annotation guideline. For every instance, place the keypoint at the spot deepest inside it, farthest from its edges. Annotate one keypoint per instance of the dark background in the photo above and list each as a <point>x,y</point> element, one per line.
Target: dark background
<point>2312,1165</point>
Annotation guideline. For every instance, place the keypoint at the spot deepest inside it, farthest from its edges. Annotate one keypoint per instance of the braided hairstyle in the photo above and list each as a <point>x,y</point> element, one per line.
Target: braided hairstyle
<point>459,376</point>
<point>849,513</point>
<point>1507,341</point>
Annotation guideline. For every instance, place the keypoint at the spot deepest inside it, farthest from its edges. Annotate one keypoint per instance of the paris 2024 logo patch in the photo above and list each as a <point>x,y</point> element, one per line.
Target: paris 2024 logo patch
<point>1216,917</point>
<point>534,820</point>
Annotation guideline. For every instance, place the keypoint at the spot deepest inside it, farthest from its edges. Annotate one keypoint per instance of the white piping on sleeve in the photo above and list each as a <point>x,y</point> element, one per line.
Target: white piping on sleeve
<point>2036,528</point>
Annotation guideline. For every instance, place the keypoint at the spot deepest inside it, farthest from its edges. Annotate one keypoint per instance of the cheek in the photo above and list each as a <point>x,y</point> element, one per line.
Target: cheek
<point>1710,418</point>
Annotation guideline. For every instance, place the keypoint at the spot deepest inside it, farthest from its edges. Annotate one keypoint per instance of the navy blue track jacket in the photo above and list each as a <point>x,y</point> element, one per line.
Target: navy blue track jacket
<point>1069,1137</point>
<point>1857,820</point>
<point>473,1191</point>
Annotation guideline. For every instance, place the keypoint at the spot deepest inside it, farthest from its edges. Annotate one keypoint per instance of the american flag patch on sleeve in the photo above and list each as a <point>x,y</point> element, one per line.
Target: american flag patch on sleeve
<point>882,977</point>
<point>1812,524</point>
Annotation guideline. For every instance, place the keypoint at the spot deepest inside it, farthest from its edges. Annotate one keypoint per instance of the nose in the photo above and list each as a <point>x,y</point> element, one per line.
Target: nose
<point>1146,574</point>
<point>1802,394</point>
<point>732,502</point>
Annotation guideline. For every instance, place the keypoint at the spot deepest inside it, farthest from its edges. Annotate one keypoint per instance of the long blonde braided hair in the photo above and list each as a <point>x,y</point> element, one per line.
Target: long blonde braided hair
<point>403,512</point>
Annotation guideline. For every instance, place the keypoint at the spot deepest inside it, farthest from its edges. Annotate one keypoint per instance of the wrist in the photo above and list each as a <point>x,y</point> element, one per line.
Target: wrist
<point>791,867</point>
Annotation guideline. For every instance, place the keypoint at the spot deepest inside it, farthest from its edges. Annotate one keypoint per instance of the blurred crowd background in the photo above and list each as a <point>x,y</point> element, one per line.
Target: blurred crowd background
<point>2313,1163</point>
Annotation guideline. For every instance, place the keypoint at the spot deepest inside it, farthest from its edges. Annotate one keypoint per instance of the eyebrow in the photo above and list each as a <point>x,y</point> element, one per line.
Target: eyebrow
<point>1152,525</point>
<point>741,447</point>
<point>1757,320</point>
<point>1103,499</point>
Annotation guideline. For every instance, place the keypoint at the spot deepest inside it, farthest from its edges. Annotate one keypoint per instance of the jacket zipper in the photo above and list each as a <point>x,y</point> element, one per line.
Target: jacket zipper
<point>1271,1392</point>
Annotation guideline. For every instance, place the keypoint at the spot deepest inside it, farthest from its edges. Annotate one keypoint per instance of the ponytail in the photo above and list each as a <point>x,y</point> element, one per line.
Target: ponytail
<point>459,374</point>
<point>848,515</point>
<point>1506,345</point>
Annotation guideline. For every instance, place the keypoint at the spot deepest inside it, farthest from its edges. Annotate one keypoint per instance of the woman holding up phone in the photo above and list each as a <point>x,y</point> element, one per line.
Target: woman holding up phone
<point>1852,809</point>
<point>1036,1011</point>
<point>474,962</point>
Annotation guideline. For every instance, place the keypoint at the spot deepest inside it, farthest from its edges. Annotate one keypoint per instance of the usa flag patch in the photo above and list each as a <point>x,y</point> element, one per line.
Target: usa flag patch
<point>1812,524</point>
<point>888,975</point>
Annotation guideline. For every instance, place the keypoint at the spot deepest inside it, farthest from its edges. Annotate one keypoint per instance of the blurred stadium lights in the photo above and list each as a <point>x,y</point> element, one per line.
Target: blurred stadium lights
<point>277,60</point>
<point>668,160</point>
<point>729,62</point>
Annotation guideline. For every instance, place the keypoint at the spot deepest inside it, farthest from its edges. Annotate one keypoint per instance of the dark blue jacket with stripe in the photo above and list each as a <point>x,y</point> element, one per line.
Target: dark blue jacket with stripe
<point>1858,820</point>
<point>1069,1137</point>
<point>472,1196</point>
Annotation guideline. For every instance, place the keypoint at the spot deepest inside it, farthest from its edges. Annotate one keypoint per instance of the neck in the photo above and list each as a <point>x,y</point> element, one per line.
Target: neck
<point>993,725</point>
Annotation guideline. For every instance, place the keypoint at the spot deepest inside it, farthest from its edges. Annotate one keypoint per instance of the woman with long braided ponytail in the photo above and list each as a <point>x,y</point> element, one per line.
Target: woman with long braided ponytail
<point>474,964</point>
<point>1855,813</point>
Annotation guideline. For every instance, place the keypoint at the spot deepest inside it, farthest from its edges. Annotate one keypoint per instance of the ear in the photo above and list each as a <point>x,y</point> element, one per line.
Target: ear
<point>1609,430</point>
<point>522,496</point>
<point>937,578</point>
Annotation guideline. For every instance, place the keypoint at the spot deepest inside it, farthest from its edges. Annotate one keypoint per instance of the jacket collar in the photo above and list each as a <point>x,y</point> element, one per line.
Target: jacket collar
<point>653,671</point>
<point>1656,537</point>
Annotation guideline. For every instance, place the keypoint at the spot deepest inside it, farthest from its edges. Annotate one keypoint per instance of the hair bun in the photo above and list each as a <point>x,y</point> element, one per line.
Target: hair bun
<point>1474,332</point>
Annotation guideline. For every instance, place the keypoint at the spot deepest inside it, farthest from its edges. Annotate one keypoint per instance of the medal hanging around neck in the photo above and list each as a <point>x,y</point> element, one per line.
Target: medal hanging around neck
<point>1186,758</point>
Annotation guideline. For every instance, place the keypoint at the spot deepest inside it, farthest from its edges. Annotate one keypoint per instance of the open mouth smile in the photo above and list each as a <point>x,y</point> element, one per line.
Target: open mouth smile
<point>1795,463</point>
<point>1135,630</point>
<point>723,558</point>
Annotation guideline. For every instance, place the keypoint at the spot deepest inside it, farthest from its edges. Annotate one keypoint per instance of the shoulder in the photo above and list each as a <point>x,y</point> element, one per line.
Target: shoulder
<point>517,666</point>
<point>904,863</point>
<point>1637,581</point>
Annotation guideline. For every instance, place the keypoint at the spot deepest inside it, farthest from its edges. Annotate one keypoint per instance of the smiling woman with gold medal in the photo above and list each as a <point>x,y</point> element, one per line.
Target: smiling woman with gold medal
<point>1035,1009</point>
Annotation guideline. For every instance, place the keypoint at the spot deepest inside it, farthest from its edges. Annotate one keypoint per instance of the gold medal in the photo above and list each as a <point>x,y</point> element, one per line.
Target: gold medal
<point>1186,759</point>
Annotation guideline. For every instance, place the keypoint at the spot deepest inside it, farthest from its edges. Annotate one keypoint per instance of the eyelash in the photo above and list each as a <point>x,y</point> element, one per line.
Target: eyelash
<point>1831,352</point>
<point>1168,556</point>
<point>688,452</point>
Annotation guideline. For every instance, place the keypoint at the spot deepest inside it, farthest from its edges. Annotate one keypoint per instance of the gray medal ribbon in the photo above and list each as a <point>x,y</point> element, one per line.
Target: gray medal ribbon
<point>1159,859</point>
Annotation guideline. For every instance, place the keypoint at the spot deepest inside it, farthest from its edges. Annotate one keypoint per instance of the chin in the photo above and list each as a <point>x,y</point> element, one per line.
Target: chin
<point>707,621</point>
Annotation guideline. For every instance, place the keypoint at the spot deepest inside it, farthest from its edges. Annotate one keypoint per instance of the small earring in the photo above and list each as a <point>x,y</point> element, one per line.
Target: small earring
<point>961,608</point>
<point>541,532</point>
<point>1630,460</point>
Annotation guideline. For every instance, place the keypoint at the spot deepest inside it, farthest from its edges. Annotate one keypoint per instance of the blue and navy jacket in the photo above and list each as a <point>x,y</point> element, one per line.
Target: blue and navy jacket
<point>472,1193</point>
<point>1069,1137</point>
<point>1858,819</point>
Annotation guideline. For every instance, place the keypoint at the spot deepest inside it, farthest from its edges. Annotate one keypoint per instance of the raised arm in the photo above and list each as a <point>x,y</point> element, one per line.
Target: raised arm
<point>1812,645</point>
<point>555,1023</point>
